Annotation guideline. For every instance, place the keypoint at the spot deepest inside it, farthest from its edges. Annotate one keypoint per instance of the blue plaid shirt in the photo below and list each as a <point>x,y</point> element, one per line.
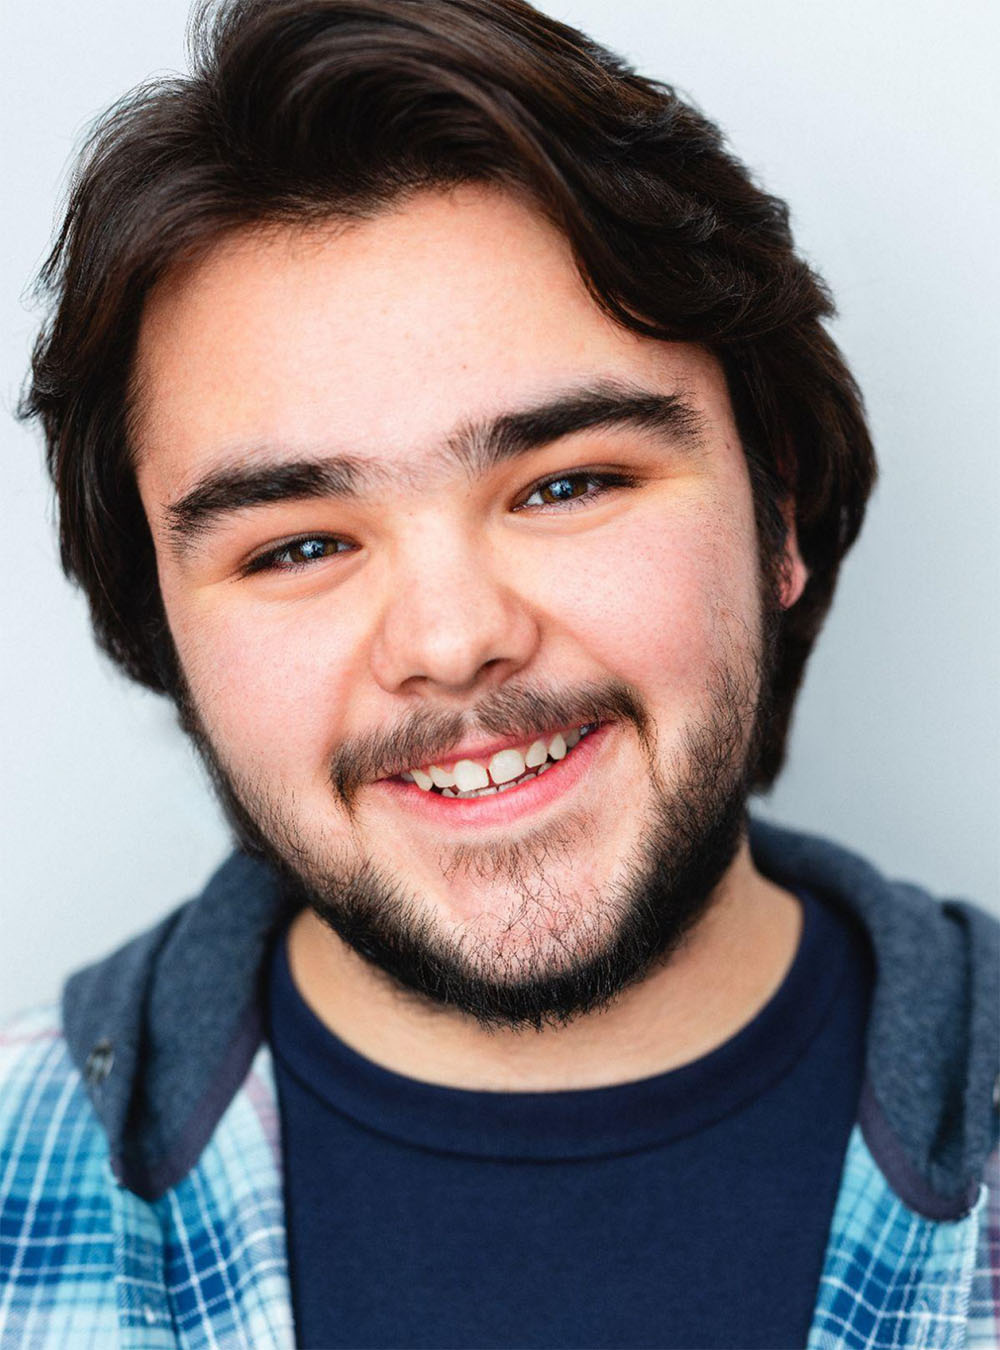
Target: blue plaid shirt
<point>86,1262</point>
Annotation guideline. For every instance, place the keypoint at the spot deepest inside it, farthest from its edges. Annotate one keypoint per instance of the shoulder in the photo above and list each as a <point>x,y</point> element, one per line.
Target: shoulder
<point>984,1305</point>
<point>933,1041</point>
<point>34,1064</point>
<point>48,1128</point>
<point>56,1192</point>
<point>906,923</point>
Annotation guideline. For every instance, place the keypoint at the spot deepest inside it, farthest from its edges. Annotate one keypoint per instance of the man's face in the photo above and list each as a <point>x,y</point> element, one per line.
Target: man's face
<point>417,502</point>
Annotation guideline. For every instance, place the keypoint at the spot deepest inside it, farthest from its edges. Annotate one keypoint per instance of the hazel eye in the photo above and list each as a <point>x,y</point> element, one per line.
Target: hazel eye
<point>298,553</point>
<point>573,488</point>
<point>312,549</point>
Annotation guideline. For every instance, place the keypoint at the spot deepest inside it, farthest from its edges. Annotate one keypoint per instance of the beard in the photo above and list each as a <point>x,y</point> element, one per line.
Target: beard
<point>548,959</point>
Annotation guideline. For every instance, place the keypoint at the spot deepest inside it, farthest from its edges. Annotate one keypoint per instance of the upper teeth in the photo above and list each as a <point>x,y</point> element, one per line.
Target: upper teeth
<point>469,775</point>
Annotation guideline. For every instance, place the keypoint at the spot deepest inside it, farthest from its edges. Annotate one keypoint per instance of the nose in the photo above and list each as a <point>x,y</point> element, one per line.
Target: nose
<point>453,620</point>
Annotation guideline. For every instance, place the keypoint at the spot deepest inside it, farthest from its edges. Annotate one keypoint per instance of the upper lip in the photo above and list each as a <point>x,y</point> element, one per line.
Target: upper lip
<point>483,750</point>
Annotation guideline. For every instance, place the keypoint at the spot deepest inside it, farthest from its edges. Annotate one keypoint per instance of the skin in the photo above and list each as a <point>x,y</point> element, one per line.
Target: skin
<point>379,339</point>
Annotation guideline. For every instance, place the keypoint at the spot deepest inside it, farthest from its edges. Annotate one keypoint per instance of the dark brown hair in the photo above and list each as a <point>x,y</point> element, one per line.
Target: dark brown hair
<point>298,110</point>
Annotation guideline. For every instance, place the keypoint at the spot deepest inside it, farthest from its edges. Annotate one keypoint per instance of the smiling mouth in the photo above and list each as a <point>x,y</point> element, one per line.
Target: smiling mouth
<point>507,769</point>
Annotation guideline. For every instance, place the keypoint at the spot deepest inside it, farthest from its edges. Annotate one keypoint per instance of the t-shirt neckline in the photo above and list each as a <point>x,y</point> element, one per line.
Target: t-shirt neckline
<point>575,1123</point>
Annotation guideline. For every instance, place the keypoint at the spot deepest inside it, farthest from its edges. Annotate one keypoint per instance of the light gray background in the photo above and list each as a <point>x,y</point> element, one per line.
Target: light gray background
<point>879,123</point>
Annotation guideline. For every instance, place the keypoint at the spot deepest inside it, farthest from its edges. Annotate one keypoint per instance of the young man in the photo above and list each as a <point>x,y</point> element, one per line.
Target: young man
<point>443,419</point>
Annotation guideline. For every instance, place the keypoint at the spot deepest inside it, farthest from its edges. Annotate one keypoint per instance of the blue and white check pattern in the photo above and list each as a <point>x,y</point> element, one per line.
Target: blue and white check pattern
<point>892,1278</point>
<point>85,1263</point>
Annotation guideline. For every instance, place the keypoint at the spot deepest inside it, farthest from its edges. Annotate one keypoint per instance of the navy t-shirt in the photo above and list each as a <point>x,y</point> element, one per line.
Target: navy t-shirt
<point>690,1209</point>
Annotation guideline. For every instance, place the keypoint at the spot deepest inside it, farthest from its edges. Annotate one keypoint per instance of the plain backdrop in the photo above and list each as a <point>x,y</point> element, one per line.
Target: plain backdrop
<point>879,122</point>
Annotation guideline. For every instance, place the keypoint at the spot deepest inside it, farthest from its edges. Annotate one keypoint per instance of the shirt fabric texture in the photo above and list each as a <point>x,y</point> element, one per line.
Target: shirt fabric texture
<point>532,1219</point>
<point>141,1193</point>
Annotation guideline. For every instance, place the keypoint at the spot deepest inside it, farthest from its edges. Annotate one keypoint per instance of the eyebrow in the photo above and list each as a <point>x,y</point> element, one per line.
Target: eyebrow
<point>477,447</point>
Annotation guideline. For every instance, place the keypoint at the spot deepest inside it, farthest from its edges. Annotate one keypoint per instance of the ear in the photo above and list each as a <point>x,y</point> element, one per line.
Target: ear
<point>794,573</point>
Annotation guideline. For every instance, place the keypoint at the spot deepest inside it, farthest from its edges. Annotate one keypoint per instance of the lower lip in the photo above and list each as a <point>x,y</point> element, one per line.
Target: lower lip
<point>501,808</point>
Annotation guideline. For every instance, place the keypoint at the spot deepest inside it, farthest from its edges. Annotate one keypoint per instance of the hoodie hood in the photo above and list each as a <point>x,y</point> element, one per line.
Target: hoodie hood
<point>164,1030</point>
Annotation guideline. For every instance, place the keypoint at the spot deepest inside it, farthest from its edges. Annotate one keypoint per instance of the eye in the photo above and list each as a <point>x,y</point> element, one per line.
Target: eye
<point>572,489</point>
<point>296,554</point>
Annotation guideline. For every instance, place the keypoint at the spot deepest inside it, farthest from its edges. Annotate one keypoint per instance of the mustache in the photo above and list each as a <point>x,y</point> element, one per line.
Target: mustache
<point>514,712</point>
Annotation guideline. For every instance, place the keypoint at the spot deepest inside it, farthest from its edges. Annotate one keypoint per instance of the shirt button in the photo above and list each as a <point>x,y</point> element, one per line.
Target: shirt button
<point>99,1063</point>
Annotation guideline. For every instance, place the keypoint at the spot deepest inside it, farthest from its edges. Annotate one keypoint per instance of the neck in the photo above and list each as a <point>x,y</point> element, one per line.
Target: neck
<point>724,972</point>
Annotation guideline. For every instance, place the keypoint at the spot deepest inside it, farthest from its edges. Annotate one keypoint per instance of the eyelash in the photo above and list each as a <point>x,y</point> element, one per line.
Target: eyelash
<point>268,562</point>
<point>606,481</point>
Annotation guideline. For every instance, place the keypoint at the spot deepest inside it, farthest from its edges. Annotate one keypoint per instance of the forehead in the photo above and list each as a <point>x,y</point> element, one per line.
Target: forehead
<point>380,338</point>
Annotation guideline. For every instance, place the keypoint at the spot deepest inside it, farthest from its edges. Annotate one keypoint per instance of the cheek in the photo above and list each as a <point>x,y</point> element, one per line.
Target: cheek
<point>661,601</point>
<point>270,685</point>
